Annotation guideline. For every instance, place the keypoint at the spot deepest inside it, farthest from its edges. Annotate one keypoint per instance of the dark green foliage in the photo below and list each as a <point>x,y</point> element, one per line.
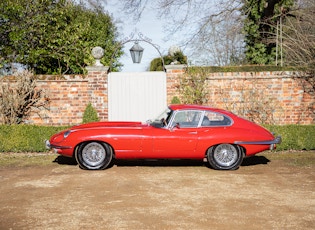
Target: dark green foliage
<point>294,137</point>
<point>25,138</point>
<point>178,58</point>
<point>90,114</point>
<point>54,37</point>
<point>156,65</point>
<point>260,26</point>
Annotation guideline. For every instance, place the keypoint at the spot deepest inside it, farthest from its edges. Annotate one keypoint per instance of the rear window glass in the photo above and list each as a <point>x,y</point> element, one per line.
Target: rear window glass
<point>215,119</point>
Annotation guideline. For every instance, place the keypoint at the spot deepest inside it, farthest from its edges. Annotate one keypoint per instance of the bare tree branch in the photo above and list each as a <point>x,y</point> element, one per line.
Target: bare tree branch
<point>196,22</point>
<point>20,98</point>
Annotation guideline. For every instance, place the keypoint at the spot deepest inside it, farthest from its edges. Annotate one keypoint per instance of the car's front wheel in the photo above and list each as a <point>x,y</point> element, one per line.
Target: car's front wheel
<point>225,156</point>
<point>94,155</point>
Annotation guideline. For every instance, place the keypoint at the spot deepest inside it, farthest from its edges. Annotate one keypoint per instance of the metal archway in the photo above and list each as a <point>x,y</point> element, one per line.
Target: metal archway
<point>141,38</point>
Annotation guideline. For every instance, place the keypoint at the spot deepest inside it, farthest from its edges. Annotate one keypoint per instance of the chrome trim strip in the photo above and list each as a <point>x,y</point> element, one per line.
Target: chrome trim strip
<point>60,147</point>
<point>277,140</point>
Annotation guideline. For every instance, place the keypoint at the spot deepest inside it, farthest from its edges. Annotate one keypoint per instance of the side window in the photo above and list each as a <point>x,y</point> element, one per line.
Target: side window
<point>215,119</point>
<point>188,118</point>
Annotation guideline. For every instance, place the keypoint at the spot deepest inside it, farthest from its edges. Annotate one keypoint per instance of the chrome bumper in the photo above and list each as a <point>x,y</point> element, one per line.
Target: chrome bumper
<point>50,146</point>
<point>272,143</point>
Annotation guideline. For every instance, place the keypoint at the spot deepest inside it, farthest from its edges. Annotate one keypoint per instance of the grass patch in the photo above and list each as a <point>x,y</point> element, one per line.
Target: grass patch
<point>293,158</point>
<point>26,159</point>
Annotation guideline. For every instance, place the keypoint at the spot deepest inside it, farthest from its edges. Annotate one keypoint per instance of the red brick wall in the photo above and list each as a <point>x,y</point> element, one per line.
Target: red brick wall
<point>70,94</point>
<point>265,97</point>
<point>269,97</point>
<point>69,98</point>
<point>67,101</point>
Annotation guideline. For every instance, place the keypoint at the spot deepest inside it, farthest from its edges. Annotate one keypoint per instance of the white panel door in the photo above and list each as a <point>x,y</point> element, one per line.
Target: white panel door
<point>136,96</point>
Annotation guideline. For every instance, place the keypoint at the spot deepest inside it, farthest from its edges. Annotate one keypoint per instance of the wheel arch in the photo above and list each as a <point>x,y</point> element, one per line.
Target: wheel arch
<point>98,141</point>
<point>209,149</point>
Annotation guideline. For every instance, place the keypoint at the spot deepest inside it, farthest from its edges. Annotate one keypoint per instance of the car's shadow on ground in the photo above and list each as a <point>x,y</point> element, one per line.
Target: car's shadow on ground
<point>250,161</point>
<point>255,160</point>
<point>158,163</point>
<point>62,160</point>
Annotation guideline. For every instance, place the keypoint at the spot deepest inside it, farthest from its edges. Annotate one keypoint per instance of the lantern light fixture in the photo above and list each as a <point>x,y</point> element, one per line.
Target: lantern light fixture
<point>136,52</point>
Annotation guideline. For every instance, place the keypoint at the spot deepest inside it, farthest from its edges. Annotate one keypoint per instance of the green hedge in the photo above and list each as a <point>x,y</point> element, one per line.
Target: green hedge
<point>30,138</point>
<point>246,68</point>
<point>25,138</point>
<point>294,137</point>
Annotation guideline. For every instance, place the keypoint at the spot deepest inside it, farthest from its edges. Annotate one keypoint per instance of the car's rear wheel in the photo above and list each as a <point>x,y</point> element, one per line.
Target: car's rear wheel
<point>225,156</point>
<point>94,155</point>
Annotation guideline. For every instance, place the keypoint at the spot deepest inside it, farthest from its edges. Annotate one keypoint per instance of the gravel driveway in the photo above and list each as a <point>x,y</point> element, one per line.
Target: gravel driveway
<point>267,192</point>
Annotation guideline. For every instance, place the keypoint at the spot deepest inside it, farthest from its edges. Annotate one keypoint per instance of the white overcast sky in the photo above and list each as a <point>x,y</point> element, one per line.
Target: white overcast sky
<point>149,26</point>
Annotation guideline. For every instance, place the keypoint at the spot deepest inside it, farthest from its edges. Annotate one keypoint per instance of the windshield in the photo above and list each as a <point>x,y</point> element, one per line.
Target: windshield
<point>163,119</point>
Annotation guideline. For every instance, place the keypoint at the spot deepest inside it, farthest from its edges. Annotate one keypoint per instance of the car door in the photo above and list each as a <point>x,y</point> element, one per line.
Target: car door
<point>179,139</point>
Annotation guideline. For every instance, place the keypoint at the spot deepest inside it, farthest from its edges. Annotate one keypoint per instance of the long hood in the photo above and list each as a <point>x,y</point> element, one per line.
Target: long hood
<point>117,124</point>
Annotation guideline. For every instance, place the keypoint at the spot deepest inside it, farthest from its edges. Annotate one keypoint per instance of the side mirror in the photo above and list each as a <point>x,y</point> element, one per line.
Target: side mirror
<point>175,126</point>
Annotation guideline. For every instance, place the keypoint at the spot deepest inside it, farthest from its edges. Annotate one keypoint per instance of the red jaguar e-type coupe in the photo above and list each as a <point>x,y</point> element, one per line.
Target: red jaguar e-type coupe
<point>180,132</point>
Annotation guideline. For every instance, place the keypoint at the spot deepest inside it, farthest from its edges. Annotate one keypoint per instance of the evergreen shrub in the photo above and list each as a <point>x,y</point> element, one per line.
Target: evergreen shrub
<point>175,100</point>
<point>90,114</point>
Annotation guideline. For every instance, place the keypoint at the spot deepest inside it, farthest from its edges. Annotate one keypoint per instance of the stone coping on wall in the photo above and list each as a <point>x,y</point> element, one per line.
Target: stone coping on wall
<point>175,67</point>
<point>97,68</point>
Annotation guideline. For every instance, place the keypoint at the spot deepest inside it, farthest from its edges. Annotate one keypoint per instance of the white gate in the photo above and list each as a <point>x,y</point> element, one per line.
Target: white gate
<point>136,96</point>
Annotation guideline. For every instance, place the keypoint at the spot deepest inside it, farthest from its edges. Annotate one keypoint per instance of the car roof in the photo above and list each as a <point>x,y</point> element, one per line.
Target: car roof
<point>197,107</point>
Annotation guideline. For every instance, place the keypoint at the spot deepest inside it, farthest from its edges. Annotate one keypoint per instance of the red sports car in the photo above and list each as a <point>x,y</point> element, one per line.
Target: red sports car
<point>180,132</point>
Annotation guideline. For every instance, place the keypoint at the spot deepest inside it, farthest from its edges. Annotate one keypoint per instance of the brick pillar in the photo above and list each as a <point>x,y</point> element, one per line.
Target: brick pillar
<point>173,74</point>
<point>98,89</point>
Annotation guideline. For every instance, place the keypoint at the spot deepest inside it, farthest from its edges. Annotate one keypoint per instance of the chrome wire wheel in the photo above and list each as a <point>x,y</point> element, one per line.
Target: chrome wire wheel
<point>94,155</point>
<point>225,156</point>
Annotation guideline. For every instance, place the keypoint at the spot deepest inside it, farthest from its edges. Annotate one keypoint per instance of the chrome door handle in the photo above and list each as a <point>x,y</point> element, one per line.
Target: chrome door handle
<point>195,132</point>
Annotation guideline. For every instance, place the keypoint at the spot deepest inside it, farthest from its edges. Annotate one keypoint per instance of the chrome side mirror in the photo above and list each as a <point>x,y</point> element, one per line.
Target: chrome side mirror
<point>175,126</point>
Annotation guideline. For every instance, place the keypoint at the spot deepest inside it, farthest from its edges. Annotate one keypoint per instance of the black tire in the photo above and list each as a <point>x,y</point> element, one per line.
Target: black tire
<point>225,157</point>
<point>94,155</point>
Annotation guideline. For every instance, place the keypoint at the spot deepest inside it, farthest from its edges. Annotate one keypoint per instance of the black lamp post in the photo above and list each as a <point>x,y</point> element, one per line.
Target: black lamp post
<point>136,52</point>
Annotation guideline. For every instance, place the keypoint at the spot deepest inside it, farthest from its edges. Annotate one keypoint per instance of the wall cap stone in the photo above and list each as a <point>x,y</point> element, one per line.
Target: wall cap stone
<point>97,68</point>
<point>177,67</point>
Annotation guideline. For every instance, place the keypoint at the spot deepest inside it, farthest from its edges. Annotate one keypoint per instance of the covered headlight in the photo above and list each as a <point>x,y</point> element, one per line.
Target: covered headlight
<point>66,134</point>
<point>47,144</point>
